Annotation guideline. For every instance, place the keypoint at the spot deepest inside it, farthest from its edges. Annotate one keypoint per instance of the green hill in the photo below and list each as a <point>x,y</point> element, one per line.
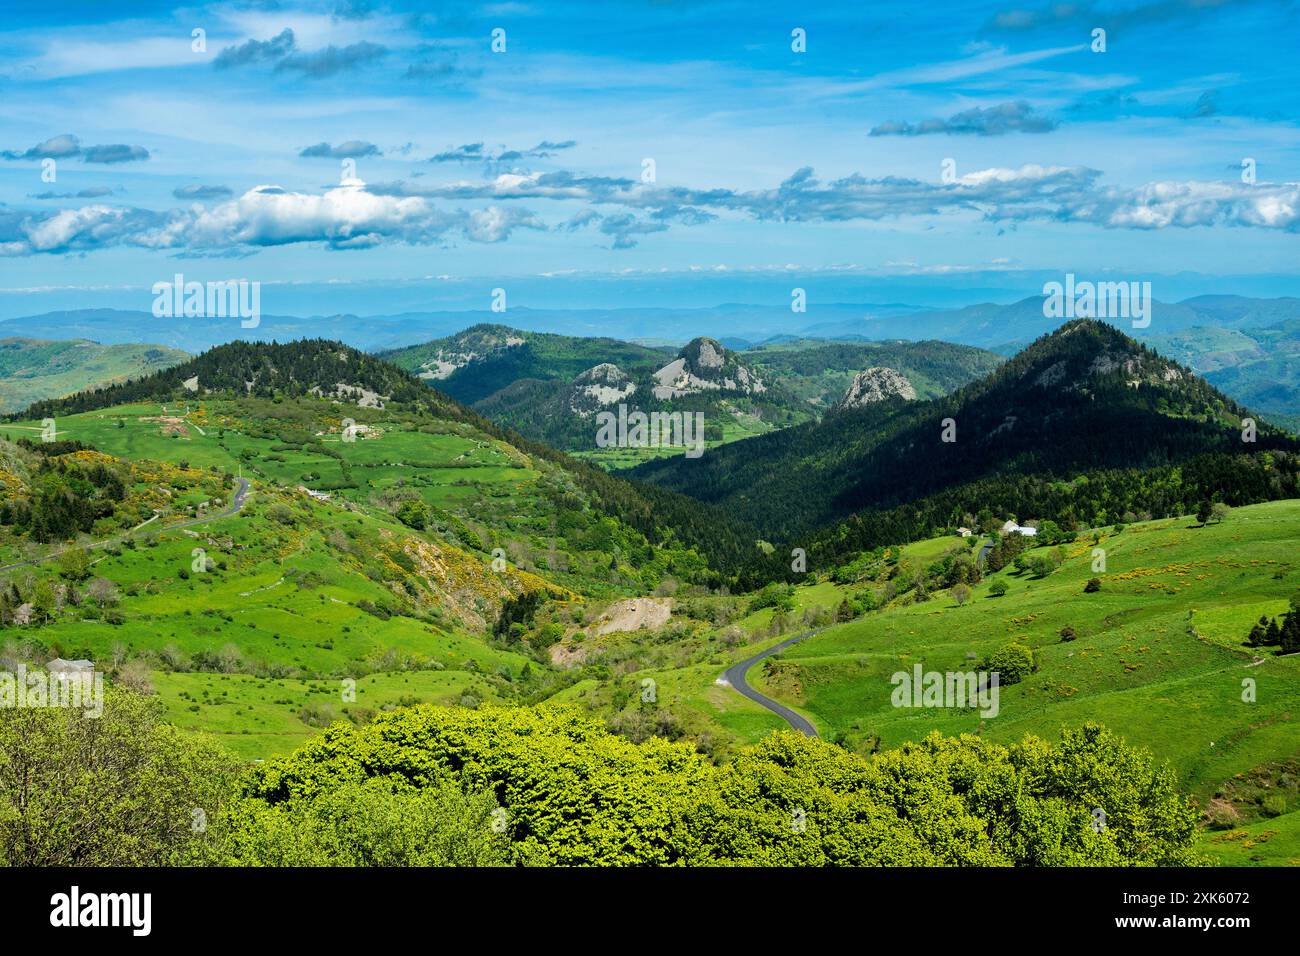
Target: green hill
<point>819,371</point>
<point>549,387</point>
<point>1259,365</point>
<point>303,552</point>
<point>35,369</point>
<point>1157,654</point>
<point>1084,399</point>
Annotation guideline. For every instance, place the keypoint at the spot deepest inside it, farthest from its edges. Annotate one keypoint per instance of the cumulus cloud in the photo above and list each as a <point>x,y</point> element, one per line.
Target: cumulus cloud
<point>352,149</point>
<point>115,153</point>
<point>347,216</point>
<point>354,215</point>
<point>1017,117</point>
<point>283,50</point>
<point>496,223</point>
<point>201,192</point>
<point>67,146</point>
<point>1162,205</point>
<point>555,185</point>
<point>56,147</point>
<point>625,229</point>
<point>74,230</point>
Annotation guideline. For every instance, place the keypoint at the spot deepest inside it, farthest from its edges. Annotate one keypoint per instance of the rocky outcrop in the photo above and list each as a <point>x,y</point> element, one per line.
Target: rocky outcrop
<point>599,386</point>
<point>706,365</point>
<point>876,384</point>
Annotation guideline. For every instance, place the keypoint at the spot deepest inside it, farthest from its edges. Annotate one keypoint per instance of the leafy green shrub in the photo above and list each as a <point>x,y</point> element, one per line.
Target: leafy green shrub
<point>413,513</point>
<point>775,595</point>
<point>370,823</point>
<point>574,794</point>
<point>1011,662</point>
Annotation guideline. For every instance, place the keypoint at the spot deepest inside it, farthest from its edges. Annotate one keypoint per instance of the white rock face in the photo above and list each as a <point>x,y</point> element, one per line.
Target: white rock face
<point>707,371</point>
<point>343,392</point>
<point>710,357</point>
<point>876,384</point>
<point>600,385</point>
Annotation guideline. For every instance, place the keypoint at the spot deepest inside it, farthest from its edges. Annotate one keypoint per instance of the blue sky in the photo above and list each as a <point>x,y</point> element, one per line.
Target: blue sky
<point>476,168</point>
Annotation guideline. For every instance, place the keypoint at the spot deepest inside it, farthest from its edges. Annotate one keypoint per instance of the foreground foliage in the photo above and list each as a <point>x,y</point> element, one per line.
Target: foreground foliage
<point>440,786</point>
<point>574,794</point>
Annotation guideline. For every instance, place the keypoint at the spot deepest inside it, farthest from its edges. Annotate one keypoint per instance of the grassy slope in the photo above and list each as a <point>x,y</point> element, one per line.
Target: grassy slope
<point>34,369</point>
<point>502,494</point>
<point>1136,660</point>
<point>256,604</point>
<point>1158,658</point>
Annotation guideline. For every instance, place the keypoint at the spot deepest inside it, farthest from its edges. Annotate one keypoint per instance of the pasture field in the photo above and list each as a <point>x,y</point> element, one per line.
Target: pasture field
<point>735,426</point>
<point>258,717</point>
<point>283,594</point>
<point>482,492</point>
<point>1157,655</point>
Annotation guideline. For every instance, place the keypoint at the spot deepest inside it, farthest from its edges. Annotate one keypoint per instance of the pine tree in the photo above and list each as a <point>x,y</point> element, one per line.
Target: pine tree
<point>1273,636</point>
<point>1290,633</point>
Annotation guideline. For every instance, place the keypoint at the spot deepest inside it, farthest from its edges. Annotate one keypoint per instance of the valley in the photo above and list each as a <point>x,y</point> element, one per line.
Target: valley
<point>277,542</point>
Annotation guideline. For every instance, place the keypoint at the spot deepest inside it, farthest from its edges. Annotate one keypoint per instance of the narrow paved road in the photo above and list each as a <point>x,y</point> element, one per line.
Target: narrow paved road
<point>236,503</point>
<point>734,677</point>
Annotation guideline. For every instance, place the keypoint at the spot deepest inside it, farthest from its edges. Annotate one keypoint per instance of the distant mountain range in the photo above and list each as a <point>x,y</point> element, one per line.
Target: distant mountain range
<point>1248,347</point>
<point>1081,399</point>
<point>738,326</point>
<point>378,332</point>
<point>549,387</point>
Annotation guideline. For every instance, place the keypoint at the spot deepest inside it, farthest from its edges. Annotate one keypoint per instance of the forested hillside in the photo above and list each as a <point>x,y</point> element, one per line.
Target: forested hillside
<point>1085,398</point>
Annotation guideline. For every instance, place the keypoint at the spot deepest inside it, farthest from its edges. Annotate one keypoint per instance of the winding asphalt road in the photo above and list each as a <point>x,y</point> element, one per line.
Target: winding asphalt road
<point>734,677</point>
<point>236,504</point>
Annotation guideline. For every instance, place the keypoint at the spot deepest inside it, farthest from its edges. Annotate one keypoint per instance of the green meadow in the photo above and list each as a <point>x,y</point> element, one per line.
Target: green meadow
<point>258,717</point>
<point>291,609</point>
<point>1157,654</point>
